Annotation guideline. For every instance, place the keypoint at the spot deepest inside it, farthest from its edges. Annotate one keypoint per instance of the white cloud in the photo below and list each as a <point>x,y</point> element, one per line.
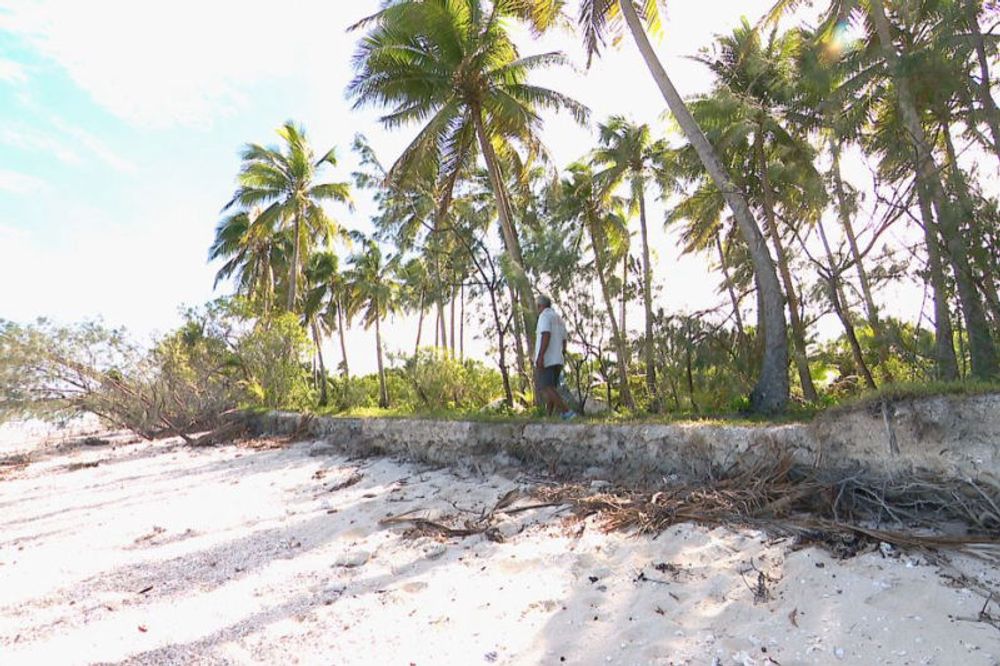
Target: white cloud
<point>67,143</point>
<point>12,72</point>
<point>185,62</point>
<point>95,146</point>
<point>31,139</point>
<point>20,183</point>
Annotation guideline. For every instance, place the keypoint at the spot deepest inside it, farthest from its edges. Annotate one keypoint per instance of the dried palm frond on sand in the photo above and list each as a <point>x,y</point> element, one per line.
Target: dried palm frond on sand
<point>783,498</point>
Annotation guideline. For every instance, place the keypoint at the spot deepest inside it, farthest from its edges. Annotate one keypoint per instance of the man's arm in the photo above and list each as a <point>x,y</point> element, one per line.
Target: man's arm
<point>540,361</point>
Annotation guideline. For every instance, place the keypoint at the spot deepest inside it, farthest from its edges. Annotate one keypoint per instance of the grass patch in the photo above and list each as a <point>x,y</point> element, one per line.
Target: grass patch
<point>911,391</point>
<point>797,412</point>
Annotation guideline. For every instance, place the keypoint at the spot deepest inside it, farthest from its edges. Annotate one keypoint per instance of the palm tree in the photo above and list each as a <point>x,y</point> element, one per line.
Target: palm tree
<point>599,214</point>
<point>450,65</point>
<point>598,20</point>
<point>983,354</point>
<point>373,293</point>
<point>282,182</point>
<point>254,255</point>
<point>945,222</point>
<point>629,154</point>
<point>324,305</point>
<point>752,85</point>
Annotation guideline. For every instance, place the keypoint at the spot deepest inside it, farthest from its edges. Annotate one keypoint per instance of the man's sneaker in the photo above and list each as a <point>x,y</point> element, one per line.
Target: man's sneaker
<point>568,415</point>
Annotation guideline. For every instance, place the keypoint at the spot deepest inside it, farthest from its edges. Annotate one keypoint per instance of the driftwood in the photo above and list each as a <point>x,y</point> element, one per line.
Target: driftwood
<point>779,497</point>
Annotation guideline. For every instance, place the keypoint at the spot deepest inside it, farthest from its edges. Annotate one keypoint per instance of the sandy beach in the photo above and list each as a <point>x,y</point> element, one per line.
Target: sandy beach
<point>158,553</point>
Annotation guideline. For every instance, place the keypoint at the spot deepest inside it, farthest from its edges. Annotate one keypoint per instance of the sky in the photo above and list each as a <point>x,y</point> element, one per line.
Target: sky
<point>121,124</point>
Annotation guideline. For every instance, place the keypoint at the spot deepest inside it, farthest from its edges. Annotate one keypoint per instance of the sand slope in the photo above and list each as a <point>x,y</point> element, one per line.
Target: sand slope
<point>160,554</point>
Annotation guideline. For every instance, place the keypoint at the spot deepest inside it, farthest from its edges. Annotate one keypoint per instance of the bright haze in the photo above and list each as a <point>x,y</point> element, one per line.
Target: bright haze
<point>121,123</point>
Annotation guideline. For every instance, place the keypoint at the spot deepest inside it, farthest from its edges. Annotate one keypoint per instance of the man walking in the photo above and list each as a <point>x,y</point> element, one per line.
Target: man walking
<point>550,345</point>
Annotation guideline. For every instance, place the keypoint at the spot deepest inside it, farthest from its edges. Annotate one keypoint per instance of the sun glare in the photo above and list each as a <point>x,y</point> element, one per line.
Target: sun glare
<point>844,37</point>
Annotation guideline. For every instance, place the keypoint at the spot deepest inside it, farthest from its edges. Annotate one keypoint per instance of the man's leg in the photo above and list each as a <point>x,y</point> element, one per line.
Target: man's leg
<point>552,400</point>
<point>555,400</point>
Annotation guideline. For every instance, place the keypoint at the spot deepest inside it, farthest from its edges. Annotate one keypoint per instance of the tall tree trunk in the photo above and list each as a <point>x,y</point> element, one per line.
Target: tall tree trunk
<point>437,328</point>
<point>724,264</point>
<point>451,308</point>
<point>340,332</point>
<point>442,327</point>
<point>616,333</point>
<point>871,310</point>
<point>983,277</point>
<point>981,350</point>
<point>519,348</point>
<point>507,230</point>
<point>293,277</point>
<point>623,302</point>
<point>944,343</point>
<point>840,309</point>
<point>420,324</point>
<point>383,390</point>
<point>647,302</point>
<point>268,284</point>
<point>798,328</point>
<point>771,392</point>
<point>324,397</point>
<point>461,323</point>
<point>982,354</point>
<point>989,111</point>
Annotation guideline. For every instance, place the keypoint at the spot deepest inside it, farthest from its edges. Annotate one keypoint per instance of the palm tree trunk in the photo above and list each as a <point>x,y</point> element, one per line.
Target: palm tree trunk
<point>798,328</point>
<point>269,284</point>
<point>442,327</point>
<point>420,324</point>
<point>989,110</point>
<point>519,349</point>
<point>981,350</point>
<point>451,307</point>
<point>983,277</point>
<point>437,327</point>
<point>383,391</point>
<point>461,323</point>
<point>944,344</point>
<point>341,324</point>
<point>647,302</point>
<point>688,373</point>
<point>616,333</point>
<point>323,395</point>
<point>982,354</point>
<point>510,239</point>
<point>293,278</point>
<point>622,304</point>
<point>771,392</point>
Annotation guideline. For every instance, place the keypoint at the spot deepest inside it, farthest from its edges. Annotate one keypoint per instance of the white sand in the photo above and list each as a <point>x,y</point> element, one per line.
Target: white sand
<point>247,556</point>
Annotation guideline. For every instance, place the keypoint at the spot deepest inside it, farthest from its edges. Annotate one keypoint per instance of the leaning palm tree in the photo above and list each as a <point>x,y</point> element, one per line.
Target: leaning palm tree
<point>628,154</point>
<point>282,182</point>
<point>451,66</point>
<point>373,290</point>
<point>601,19</point>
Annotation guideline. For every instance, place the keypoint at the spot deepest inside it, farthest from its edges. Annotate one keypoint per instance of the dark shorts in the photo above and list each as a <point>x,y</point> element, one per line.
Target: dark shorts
<point>549,376</point>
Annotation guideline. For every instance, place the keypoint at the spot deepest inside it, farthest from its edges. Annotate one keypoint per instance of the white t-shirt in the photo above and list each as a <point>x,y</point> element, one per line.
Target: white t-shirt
<point>551,323</point>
